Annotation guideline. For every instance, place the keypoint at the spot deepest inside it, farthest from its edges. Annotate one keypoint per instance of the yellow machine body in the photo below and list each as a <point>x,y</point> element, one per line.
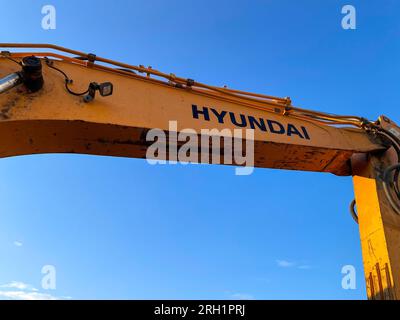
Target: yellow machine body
<point>52,120</point>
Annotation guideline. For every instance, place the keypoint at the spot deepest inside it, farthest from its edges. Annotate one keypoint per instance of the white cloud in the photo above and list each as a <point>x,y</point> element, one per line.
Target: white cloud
<point>291,264</point>
<point>26,295</point>
<point>304,267</point>
<point>285,263</point>
<point>17,290</point>
<point>18,243</point>
<point>16,285</point>
<point>241,296</point>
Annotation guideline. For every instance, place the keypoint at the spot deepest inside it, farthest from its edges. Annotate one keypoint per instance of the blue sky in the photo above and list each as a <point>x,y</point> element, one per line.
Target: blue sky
<point>121,228</point>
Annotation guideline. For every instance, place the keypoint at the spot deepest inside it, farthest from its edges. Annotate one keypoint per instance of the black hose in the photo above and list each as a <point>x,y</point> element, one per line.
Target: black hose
<point>387,183</point>
<point>392,181</point>
<point>13,60</point>
<point>353,210</point>
<point>67,79</point>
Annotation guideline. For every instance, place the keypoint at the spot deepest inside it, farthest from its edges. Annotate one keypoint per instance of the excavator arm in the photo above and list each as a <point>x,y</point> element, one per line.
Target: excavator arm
<point>65,101</point>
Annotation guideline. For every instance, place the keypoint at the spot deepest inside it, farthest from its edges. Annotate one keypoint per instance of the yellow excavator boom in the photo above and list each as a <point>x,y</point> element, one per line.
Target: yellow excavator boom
<point>65,101</point>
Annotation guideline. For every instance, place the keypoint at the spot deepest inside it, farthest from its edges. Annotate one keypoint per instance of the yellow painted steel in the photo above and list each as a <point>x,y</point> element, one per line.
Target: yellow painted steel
<point>379,228</point>
<point>54,121</point>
